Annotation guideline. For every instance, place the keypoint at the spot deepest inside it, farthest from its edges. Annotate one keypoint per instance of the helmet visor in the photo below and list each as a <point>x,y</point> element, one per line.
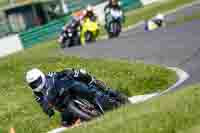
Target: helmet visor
<point>36,83</point>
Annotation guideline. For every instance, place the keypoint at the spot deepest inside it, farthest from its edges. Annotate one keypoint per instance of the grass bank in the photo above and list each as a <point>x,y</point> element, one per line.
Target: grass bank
<point>182,19</point>
<point>17,107</point>
<point>172,113</point>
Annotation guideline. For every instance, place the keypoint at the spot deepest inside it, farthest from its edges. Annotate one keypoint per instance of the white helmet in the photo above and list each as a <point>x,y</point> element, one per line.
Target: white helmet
<point>36,79</point>
<point>160,16</point>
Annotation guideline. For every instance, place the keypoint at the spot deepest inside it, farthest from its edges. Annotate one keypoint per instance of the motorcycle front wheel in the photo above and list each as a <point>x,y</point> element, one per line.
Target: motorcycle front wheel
<point>88,36</point>
<point>83,110</point>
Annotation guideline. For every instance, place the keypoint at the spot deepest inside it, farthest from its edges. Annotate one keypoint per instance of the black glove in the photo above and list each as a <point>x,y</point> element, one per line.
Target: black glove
<point>50,113</point>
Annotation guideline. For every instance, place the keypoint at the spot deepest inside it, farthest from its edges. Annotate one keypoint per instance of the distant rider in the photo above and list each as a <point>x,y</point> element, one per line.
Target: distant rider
<point>73,24</point>
<point>112,4</point>
<point>155,23</point>
<point>159,19</point>
<point>89,13</point>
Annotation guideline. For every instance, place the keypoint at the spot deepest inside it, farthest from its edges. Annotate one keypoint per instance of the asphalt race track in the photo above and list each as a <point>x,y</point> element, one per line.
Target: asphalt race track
<point>174,46</point>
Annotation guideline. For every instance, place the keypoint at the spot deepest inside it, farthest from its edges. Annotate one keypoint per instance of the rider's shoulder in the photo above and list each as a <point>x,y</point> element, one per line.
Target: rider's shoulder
<point>51,74</point>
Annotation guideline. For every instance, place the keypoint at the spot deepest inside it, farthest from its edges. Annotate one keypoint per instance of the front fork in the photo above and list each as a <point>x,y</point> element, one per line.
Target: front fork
<point>96,34</point>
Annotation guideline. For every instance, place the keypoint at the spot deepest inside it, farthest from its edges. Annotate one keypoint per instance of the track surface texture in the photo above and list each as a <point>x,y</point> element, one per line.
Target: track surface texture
<point>174,45</point>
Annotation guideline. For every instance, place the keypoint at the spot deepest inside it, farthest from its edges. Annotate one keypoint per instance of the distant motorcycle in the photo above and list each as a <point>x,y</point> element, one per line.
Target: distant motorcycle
<point>90,30</point>
<point>114,20</point>
<point>68,38</point>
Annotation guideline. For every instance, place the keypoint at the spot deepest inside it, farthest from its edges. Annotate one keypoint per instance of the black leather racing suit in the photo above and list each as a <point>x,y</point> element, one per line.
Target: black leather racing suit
<point>74,25</point>
<point>71,81</point>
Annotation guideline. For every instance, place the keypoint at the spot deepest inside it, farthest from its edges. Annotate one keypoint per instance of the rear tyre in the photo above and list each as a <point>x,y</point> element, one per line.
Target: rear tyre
<point>123,99</point>
<point>69,43</point>
<point>119,97</point>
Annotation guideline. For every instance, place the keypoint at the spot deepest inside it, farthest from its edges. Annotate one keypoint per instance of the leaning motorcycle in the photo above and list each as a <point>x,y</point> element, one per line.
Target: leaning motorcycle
<point>114,22</point>
<point>90,30</point>
<point>105,101</point>
<point>69,38</point>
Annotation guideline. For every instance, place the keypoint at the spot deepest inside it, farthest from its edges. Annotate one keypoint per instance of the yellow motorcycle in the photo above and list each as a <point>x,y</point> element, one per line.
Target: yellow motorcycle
<point>90,30</point>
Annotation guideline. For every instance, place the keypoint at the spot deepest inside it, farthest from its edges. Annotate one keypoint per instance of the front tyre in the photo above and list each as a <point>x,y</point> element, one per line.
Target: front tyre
<point>114,29</point>
<point>83,110</point>
<point>69,43</point>
<point>76,41</point>
<point>88,36</point>
<point>62,45</point>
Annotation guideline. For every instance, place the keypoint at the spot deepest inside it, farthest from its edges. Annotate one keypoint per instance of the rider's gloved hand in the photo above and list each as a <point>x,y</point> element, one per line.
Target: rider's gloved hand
<point>50,113</point>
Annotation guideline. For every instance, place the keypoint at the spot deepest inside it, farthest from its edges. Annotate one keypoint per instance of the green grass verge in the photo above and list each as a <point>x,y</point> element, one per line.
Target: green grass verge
<point>17,107</point>
<point>151,10</point>
<point>181,19</point>
<point>172,113</point>
<point>3,3</point>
